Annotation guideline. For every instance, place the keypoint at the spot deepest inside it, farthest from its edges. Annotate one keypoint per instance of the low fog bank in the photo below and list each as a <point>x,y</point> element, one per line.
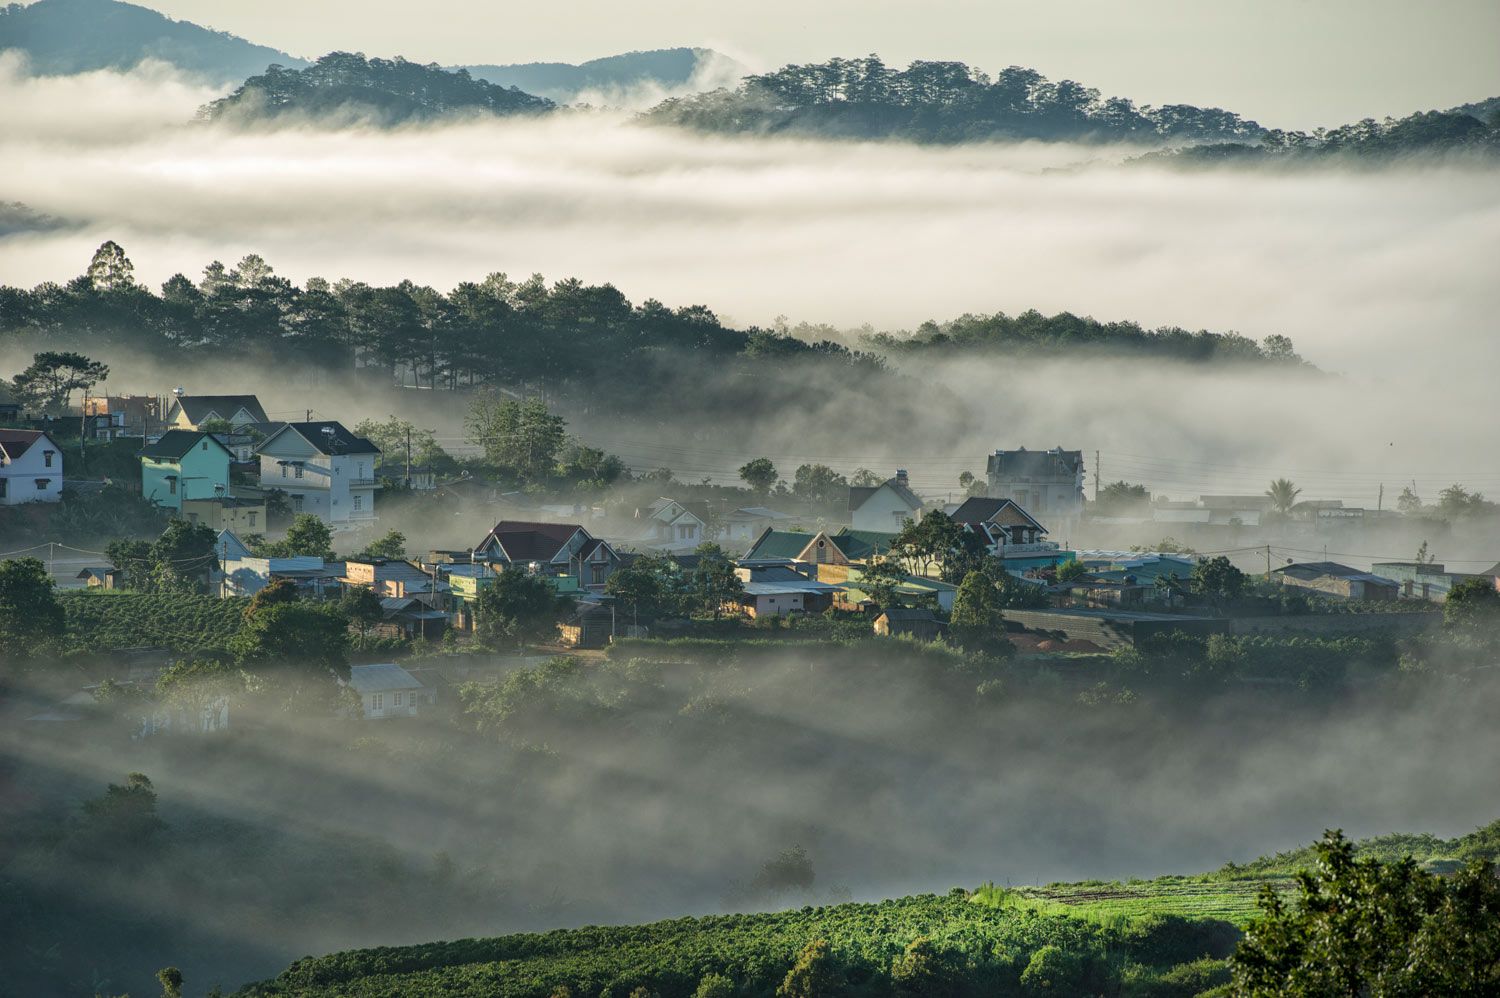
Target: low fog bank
<point>308,836</point>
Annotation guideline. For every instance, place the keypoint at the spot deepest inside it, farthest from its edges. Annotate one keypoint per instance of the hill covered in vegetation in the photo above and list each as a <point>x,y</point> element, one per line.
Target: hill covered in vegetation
<point>940,102</point>
<point>346,85</point>
<point>76,36</point>
<point>666,69</point>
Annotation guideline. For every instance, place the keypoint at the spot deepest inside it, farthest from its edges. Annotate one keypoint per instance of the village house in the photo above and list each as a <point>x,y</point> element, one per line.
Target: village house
<point>31,467</point>
<point>190,412</point>
<point>915,590</point>
<point>324,470</point>
<point>1048,482</point>
<point>591,625</point>
<point>184,464</point>
<point>777,590</point>
<point>228,513</point>
<point>553,548</point>
<point>884,507</point>
<point>1332,579</point>
<point>386,690</point>
<point>742,526</point>
<point>905,621</point>
<point>465,583</point>
<point>1427,580</point>
<point>241,573</point>
<point>114,416</point>
<point>100,577</point>
<point>394,578</point>
<point>672,527</point>
<point>846,547</point>
<point>1010,533</point>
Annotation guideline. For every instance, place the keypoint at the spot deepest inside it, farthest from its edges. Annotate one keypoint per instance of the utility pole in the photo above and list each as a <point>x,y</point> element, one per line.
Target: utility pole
<point>408,457</point>
<point>1380,500</point>
<point>1096,476</point>
<point>1268,563</point>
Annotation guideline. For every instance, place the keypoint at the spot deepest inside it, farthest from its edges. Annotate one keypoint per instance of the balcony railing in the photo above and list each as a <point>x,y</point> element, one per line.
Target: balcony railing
<point>355,483</point>
<point>1021,550</point>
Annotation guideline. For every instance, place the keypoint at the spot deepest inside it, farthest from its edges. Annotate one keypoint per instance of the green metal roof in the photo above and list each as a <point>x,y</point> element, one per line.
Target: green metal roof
<point>858,545</point>
<point>780,544</point>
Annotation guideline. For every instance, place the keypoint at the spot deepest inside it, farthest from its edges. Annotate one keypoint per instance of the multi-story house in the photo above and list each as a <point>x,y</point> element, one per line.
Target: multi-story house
<point>184,464</point>
<point>1049,483</point>
<point>323,469</point>
<point>31,467</point>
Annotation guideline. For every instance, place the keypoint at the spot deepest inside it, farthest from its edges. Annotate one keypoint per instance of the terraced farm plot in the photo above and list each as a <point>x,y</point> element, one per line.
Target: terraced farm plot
<point>1230,900</point>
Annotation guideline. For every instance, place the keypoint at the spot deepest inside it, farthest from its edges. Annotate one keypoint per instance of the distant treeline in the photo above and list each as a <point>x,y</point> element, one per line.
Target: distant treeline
<point>1459,130</point>
<point>1035,333</point>
<point>388,91</point>
<point>941,102</point>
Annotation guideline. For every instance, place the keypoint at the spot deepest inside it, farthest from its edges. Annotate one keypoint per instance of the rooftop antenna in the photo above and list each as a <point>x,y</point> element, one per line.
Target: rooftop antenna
<point>178,392</point>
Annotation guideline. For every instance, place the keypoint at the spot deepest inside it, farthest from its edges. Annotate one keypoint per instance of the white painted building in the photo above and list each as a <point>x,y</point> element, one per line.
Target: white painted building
<point>31,467</point>
<point>387,690</point>
<point>885,507</point>
<point>324,470</point>
<point>1048,483</point>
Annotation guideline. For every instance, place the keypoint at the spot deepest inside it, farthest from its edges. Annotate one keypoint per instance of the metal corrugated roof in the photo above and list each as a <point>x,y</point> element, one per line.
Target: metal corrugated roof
<point>383,676</point>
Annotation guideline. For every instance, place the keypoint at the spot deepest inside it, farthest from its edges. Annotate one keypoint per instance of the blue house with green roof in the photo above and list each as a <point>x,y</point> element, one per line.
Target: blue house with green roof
<point>184,464</point>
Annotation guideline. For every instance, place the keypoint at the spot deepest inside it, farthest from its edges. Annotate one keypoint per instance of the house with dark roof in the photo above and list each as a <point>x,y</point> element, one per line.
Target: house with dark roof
<point>190,412</point>
<point>1010,532</point>
<point>670,526</point>
<point>184,464</point>
<point>324,469</point>
<point>1332,579</point>
<point>885,507</point>
<point>1047,482</point>
<point>31,467</point>
<point>552,548</point>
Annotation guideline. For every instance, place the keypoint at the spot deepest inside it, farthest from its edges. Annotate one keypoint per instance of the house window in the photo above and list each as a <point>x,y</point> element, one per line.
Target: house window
<point>396,699</point>
<point>41,484</point>
<point>283,471</point>
<point>377,701</point>
<point>297,503</point>
<point>299,472</point>
<point>5,487</point>
<point>47,457</point>
<point>250,518</point>
<point>203,446</point>
<point>171,485</point>
<point>359,503</point>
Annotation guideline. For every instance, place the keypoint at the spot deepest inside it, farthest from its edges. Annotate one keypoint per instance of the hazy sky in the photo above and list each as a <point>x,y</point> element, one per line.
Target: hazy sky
<point>1287,63</point>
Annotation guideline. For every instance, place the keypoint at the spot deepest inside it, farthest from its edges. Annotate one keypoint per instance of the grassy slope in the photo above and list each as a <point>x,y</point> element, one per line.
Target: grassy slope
<point>1157,924</point>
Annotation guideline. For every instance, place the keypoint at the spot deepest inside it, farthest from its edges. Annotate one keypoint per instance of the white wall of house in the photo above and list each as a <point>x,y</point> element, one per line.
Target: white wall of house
<point>884,511</point>
<point>391,703</point>
<point>338,488</point>
<point>35,476</point>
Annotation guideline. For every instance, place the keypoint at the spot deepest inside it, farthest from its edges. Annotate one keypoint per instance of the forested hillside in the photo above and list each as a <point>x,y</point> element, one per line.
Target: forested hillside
<point>384,91</point>
<point>941,102</point>
<point>1472,129</point>
<point>563,82</point>
<point>76,36</point>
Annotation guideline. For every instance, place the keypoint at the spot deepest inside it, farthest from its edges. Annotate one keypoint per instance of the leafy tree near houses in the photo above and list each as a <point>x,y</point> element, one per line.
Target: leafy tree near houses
<point>392,434</point>
<point>714,986</point>
<point>517,608</point>
<point>1456,502</point>
<point>30,615</point>
<point>1217,580</point>
<point>864,478</point>
<point>391,546</point>
<point>1408,502</point>
<point>294,637</point>
<point>976,621</point>
<point>1472,610</point>
<point>274,592</point>
<point>647,589</point>
<point>53,376</point>
<point>714,583</point>
<point>1283,495</point>
<point>307,537</point>
<point>177,561</point>
<point>923,971</point>
<point>170,979</point>
<point>1371,928</point>
<point>1121,497</point>
<point>923,543</point>
<point>1071,570</point>
<point>589,468</point>
<point>362,608</point>
<point>760,474</point>
<point>126,812</point>
<point>523,438</point>
<point>818,483</point>
<point>880,580</point>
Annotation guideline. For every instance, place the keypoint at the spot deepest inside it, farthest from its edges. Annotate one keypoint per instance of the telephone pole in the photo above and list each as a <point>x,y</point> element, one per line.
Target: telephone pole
<point>1380,500</point>
<point>1268,563</point>
<point>408,457</point>
<point>1096,476</point>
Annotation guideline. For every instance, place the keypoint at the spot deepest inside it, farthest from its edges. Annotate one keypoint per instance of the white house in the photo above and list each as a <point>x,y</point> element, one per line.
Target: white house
<point>387,690</point>
<point>324,470</point>
<point>885,507</point>
<point>669,526</point>
<point>190,412</point>
<point>1049,483</point>
<point>744,525</point>
<point>31,467</point>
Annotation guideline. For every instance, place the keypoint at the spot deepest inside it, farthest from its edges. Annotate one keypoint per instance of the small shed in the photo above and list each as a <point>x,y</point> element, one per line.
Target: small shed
<point>386,690</point>
<point>906,621</point>
<point>100,577</point>
<point>591,626</point>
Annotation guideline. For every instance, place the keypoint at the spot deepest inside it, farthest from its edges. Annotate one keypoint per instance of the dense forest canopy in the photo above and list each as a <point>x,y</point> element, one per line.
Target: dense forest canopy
<point>389,91</point>
<point>941,102</point>
<point>564,81</point>
<point>1457,131</point>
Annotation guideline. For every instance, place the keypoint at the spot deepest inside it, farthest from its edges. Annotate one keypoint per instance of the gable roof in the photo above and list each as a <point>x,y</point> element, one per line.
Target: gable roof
<point>857,545</point>
<point>784,545</point>
<point>977,510</point>
<point>326,436</point>
<point>522,540</point>
<point>199,407</point>
<point>384,676</point>
<point>14,443</point>
<point>861,494</point>
<point>1309,570</point>
<point>175,444</point>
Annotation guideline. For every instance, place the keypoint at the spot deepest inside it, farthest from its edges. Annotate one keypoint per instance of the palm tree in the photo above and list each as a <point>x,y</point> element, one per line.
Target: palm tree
<point>1283,495</point>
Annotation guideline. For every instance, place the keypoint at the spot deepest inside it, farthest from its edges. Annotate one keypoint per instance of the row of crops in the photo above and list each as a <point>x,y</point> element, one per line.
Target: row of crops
<point>184,623</point>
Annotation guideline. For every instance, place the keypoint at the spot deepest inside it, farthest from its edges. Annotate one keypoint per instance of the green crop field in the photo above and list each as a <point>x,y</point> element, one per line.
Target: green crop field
<point>1191,897</point>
